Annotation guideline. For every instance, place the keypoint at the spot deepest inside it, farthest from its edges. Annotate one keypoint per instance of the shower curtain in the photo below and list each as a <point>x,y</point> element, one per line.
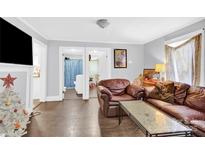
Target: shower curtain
<point>72,67</point>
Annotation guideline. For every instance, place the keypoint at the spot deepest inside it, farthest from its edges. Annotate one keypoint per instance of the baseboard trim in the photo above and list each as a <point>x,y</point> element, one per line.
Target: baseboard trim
<point>53,98</point>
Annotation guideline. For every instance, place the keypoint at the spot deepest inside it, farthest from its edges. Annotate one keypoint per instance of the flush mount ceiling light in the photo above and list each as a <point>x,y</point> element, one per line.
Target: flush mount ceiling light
<point>103,23</point>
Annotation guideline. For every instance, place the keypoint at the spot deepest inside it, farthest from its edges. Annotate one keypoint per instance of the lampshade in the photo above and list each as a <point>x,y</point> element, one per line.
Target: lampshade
<point>159,67</point>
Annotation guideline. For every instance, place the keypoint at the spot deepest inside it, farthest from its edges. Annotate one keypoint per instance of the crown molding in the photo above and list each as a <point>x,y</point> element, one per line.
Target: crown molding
<point>32,28</point>
<point>103,42</point>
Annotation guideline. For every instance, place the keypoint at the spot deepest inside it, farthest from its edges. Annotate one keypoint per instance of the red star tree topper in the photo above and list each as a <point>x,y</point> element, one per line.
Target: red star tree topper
<point>8,81</point>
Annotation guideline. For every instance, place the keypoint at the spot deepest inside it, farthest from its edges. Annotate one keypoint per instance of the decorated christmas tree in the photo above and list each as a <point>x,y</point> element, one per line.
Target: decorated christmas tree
<point>13,116</point>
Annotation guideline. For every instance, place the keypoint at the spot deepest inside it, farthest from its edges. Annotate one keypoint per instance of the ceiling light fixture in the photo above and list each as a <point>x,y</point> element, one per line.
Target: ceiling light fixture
<point>103,23</point>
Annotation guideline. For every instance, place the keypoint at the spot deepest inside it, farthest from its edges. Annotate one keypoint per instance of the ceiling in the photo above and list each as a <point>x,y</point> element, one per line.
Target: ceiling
<point>121,30</point>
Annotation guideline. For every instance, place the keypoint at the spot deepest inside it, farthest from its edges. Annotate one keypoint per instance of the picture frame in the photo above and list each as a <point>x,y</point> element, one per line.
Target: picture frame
<point>120,58</point>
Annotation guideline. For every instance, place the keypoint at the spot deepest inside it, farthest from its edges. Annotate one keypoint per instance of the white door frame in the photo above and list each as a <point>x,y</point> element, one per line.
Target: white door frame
<point>43,68</point>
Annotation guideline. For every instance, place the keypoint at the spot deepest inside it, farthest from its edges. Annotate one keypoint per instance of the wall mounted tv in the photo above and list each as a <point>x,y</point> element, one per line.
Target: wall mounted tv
<point>15,45</point>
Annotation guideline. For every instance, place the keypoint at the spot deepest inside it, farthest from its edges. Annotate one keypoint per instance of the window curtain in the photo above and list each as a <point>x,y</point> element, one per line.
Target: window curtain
<point>72,67</point>
<point>183,63</point>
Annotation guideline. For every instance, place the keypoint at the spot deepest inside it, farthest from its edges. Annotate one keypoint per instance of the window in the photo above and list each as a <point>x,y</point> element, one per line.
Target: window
<point>183,61</point>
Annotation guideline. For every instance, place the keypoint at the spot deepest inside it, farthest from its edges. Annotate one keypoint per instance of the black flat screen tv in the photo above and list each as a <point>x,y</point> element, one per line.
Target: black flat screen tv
<point>15,45</point>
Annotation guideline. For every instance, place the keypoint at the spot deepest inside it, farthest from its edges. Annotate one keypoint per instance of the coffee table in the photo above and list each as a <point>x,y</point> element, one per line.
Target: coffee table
<point>151,120</point>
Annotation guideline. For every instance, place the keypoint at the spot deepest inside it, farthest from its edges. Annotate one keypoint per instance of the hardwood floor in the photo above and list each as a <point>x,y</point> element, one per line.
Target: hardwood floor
<point>71,94</point>
<point>75,117</point>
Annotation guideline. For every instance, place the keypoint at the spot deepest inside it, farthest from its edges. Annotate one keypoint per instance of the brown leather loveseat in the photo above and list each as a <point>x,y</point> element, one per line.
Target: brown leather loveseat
<point>111,91</point>
<point>188,106</point>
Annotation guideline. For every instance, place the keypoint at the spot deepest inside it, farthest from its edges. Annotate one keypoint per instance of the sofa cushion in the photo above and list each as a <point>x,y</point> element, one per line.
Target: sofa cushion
<point>157,103</point>
<point>163,91</point>
<point>200,124</point>
<point>184,113</point>
<point>133,90</point>
<point>180,92</point>
<point>124,97</point>
<point>196,99</point>
<point>116,86</point>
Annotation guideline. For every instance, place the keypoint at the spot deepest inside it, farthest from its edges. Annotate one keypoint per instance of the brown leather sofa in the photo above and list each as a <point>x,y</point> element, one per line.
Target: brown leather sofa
<point>188,106</point>
<point>111,91</point>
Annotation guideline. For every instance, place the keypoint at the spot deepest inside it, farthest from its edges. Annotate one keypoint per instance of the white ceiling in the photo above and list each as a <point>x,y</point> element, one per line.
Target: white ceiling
<point>121,30</point>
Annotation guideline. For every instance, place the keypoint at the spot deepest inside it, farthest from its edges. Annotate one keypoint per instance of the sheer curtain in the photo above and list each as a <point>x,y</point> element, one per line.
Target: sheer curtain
<point>183,61</point>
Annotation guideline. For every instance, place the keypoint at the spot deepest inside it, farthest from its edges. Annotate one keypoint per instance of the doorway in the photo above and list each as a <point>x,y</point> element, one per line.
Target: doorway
<point>73,73</point>
<point>39,72</point>
<point>99,68</point>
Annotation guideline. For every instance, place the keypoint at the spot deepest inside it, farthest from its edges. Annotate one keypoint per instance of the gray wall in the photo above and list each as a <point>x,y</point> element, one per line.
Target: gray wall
<point>154,50</point>
<point>135,61</point>
<point>19,24</point>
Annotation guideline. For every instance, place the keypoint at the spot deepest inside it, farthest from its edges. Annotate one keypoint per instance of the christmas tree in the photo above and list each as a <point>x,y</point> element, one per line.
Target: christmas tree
<point>13,116</point>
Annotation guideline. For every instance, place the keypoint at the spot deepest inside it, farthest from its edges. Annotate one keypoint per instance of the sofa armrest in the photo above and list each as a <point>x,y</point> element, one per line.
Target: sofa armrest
<point>135,91</point>
<point>104,90</point>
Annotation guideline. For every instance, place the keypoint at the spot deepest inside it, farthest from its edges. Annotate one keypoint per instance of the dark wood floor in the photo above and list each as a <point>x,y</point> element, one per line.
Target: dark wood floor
<point>75,117</point>
<point>71,94</point>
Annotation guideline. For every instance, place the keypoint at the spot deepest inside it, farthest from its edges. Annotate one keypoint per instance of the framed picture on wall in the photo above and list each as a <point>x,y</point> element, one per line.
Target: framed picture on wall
<point>120,58</point>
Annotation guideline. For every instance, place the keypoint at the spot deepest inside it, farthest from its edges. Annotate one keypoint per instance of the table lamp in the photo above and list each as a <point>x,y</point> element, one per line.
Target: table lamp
<point>160,68</point>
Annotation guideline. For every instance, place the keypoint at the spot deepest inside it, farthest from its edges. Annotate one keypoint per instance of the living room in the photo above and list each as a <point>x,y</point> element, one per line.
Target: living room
<point>102,76</point>
<point>129,64</point>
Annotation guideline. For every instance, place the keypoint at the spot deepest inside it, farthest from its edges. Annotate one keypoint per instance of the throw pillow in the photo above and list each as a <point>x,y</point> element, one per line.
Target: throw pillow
<point>163,91</point>
<point>180,92</point>
<point>134,90</point>
<point>196,98</point>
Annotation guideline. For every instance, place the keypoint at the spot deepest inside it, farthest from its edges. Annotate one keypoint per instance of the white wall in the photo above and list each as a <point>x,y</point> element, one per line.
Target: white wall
<point>154,50</point>
<point>135,61</point>
<point>102,66</point>
<point>36,88</point>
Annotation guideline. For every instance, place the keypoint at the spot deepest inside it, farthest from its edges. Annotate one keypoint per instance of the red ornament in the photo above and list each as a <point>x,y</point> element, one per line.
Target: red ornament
<point>8,81</point>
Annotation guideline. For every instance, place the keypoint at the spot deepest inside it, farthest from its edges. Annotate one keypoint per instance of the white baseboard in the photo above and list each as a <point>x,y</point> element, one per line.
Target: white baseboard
<point>53,98</point>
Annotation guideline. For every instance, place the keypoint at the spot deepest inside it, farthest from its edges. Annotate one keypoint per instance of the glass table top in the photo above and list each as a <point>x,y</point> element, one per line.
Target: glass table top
<point>151,118</point>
